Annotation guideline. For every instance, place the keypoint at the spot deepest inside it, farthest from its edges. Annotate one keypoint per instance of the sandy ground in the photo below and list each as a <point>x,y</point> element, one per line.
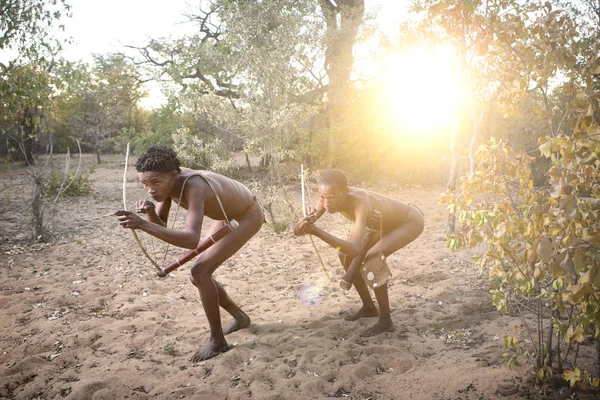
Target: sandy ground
<point>87,318</point>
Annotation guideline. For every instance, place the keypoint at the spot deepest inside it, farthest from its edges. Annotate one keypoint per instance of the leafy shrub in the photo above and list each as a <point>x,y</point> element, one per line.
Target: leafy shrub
<point>151,139</point>
<point>279,208</point>
<point>74,185</point>
<point>196,153</point>
<point>542,247</point>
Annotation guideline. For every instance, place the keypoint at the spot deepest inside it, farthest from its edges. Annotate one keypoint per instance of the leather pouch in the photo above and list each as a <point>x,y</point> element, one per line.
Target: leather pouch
<point>376,272</point>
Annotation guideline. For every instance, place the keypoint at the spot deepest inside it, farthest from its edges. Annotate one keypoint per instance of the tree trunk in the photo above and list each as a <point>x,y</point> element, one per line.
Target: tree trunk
<point>455,157</point>
<point>340,36</point>
<point>451,186</point>
<point>265,161</point>
<point>25,143</point>
<point>37,211</point>
<point>476,129</point>
<point>248,162</point>
<point>269,209</point>
<point>51,152</point>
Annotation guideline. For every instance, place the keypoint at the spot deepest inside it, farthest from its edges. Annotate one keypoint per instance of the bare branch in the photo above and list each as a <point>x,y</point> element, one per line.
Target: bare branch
<point>203,19</point>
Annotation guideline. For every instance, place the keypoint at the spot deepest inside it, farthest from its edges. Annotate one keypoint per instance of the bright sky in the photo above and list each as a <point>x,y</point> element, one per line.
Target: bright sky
<point>102,26</point>
<point>105,26</point>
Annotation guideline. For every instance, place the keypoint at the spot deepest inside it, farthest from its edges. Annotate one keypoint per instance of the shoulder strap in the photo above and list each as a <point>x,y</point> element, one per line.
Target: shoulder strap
<point>380,222</point>
<point>211,188</point>
<point>378,213</point>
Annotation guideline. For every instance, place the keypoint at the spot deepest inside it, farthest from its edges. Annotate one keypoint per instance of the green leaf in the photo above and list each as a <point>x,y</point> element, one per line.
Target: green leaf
<point>546,148</point>
<point>500,230</point>
<point>499,300</point>
<point>545,249</point>
<point>574,335</point>
<point>567,265</point>
<point>579,334</point>
<point>572,376</point>
<point>539,376</point>
<point>479,219</point>
<point>579,261</point>
<point>557,284</point>
<point>496,272</point>
<point>570,208</point>
<point>579,291</point>
<point>595,274</point>
<point>555,191</point>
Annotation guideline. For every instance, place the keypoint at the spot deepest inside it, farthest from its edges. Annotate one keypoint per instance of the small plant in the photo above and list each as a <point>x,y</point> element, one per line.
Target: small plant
<point>277,205</point>
<point>169,348</point>
<point>279,227</point>
<point>92,168</point>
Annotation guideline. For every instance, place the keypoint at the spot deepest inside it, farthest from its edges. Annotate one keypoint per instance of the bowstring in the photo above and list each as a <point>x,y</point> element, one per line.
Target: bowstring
<point>304,175</point>
<point>135,235</point>
<point>175,219</point>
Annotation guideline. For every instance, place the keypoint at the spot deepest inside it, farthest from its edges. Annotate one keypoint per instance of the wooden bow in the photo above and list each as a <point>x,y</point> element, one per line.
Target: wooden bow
<point>159,271</point>
<point>312,241</point>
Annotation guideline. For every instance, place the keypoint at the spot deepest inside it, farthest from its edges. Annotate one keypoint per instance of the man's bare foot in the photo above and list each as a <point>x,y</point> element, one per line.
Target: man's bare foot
<point>382,325</point>
<point>209,351</point>
<point>240,322</point>
<point>363,313</point>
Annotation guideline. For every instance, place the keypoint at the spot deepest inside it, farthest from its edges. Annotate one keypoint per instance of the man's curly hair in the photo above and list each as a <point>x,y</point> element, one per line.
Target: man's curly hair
<point>158,159</point>
<point>333,177</point>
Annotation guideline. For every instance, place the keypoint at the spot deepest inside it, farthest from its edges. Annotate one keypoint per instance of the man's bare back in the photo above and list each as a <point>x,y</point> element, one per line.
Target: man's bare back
<point>393,212</point>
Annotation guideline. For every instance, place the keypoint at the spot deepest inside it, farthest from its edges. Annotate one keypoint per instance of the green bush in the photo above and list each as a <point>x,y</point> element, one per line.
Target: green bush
<point>196,153</point>
<point>542,247</point>
<point>151,139</point>
<point>74,185</point>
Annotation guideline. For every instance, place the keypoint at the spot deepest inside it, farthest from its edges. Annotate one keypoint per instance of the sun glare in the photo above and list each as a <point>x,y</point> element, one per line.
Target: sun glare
<point>423,92</point>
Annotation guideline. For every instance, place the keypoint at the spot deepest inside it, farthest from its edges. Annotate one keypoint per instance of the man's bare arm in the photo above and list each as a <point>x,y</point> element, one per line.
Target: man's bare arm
<point>346,247</point>
<point>149,208</point>
<point>355,264</point>
<point>350,247</point>
<point>313,213</point>
<point>162,213</point>
<point>187,238</point>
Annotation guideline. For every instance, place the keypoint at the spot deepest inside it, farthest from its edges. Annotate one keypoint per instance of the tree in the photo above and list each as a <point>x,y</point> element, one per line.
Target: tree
<point>100,104</point>
<point>27,92</point>
<point>25,78</point>
<point>542,241</point>
<point>25,26</point>
<point>245,75</point>
<point>503,58</point>
<point>200,61</point>
<point>117,92</point>
<point>273,43</point>
<point>73,81</point>
<point>163,123</point>
<point>343,19</point>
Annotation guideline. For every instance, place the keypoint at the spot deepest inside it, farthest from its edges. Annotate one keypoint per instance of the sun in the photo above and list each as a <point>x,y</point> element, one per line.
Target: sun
<point>422,93</point>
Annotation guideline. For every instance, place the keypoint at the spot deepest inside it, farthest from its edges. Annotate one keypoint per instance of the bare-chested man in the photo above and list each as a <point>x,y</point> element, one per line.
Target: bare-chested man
<point>381,225</point>
<point>202,193</point>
